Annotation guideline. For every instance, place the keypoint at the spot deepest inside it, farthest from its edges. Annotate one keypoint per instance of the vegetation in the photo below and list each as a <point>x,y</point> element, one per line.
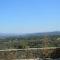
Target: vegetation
<point>20,42</point>
<point>31,41</point>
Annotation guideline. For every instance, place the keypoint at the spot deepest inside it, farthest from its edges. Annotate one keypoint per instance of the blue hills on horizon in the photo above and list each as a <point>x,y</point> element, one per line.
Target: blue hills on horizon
<point>31,34</point>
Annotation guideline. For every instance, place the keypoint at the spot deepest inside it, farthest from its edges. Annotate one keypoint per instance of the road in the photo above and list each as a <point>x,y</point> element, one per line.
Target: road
<point>29,49</point>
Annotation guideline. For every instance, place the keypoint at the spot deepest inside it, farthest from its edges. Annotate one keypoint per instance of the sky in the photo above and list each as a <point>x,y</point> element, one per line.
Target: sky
<point>29,16</point>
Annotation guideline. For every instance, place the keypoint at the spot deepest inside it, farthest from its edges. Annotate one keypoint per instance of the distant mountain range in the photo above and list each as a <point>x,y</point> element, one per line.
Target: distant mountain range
<point>48,33</point>
<point>31,34</point>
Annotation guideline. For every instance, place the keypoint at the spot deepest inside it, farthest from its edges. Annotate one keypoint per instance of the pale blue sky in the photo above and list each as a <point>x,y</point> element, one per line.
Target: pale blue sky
<point>29,16</point>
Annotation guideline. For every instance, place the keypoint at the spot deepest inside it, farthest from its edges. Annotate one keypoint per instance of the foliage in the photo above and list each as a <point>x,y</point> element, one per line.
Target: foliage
<point>30,42</point>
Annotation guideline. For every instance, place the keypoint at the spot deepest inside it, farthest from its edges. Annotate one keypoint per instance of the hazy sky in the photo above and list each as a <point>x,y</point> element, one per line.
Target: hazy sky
<point>27,16</point>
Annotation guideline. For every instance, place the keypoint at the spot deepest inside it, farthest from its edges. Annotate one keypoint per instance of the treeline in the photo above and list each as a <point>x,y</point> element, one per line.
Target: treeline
<point>20,42</point>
